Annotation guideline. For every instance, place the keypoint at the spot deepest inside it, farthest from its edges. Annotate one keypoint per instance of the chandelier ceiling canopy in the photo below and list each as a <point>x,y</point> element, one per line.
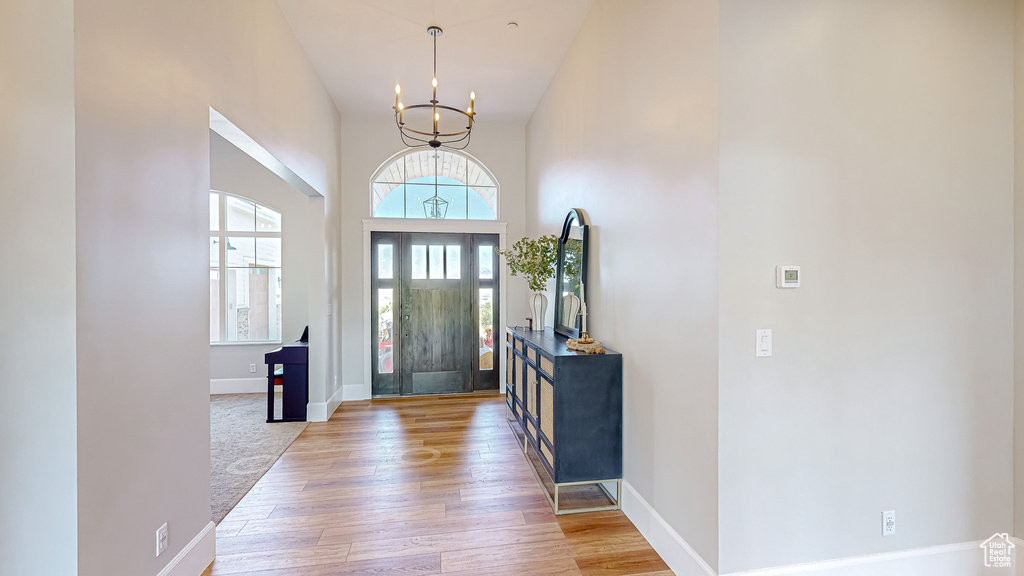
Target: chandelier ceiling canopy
<point>446,126</point>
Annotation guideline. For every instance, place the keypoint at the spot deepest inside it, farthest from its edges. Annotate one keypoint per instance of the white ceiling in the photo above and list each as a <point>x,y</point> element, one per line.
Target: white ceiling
<point>362,48</point>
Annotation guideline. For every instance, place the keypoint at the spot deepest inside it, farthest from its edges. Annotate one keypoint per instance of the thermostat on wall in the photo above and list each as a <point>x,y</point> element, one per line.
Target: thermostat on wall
<point>787,276</point>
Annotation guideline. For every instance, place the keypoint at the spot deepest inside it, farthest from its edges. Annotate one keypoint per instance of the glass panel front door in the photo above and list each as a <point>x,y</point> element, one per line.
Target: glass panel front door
<point>434,311</point>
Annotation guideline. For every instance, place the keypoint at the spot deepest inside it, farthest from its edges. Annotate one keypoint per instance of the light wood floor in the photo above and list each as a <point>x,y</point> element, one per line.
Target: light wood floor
<point>417,486</point>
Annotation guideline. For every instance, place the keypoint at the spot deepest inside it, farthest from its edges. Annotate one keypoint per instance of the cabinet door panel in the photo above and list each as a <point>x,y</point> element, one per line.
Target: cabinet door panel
<point>547,410</point>
<point>531,391</point>
<point>547,367</point>
<point>519,378</point>
<point>547,455</point>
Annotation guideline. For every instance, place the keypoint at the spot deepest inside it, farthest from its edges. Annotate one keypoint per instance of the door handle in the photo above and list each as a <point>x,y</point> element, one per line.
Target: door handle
<point>406,317</point>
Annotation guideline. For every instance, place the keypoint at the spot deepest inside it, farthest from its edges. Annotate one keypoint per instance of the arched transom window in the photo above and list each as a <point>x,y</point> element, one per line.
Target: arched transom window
<point>434,184</point>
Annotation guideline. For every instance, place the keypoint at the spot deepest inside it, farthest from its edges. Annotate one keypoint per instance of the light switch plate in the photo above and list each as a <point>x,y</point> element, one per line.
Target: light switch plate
<point>161,539</point>
<point>763,343</point>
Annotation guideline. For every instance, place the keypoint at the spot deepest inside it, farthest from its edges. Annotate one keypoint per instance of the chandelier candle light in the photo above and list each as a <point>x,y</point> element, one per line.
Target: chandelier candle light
<point>417,137</point>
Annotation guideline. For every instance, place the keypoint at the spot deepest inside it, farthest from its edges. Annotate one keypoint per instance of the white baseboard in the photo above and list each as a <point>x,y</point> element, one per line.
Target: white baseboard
<point>675,551</point>
<point>963,559</point>
<point>355,392</point>
<point>321,411</point>
<point>239,385</point>
<point>195,556</point>
<point>335,401</point>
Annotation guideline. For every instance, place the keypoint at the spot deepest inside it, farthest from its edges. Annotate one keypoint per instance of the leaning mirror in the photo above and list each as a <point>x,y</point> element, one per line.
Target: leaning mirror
<point>571,273</point>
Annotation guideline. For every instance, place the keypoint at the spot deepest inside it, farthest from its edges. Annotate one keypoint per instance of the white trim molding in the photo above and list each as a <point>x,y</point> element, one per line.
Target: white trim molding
<point>676,552</point>
<point>365,391</point>
<point>322,411</point>
<point>195,556</point>
<point>961,559</point>
<point>239,386</point>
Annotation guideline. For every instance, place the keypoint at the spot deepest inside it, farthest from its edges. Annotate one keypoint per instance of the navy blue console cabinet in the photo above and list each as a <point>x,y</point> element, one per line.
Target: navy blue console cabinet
<point>569,408</point>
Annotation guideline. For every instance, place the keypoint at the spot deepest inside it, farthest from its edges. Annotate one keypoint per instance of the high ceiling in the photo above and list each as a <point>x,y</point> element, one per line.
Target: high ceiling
<point>362,48</point>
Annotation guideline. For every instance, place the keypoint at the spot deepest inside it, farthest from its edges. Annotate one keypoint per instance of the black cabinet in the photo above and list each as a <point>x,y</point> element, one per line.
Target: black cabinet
<point>568,406</point>
<point>294,359</point>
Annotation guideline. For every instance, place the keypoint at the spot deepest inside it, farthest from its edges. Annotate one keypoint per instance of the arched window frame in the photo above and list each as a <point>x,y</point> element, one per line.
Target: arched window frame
<point>477,177</point>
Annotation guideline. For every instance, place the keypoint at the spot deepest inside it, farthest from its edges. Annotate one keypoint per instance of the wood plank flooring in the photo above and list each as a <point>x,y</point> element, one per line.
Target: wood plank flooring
<point>417,486</point>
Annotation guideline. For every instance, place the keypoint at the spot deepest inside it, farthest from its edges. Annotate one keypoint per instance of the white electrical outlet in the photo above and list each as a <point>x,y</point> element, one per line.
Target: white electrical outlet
<point>888,522</point>
<point>161,539</point>
<point>252,368</point>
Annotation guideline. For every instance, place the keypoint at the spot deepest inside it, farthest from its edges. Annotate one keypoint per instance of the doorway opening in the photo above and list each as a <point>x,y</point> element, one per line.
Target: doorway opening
<point>434,311</point>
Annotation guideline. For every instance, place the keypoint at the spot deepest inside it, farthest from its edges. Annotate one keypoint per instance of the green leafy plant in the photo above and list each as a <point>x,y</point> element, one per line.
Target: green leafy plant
<point>534,259</point>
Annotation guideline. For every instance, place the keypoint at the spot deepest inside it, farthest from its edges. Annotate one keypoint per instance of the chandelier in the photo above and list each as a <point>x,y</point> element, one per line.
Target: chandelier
<point>414,137</point>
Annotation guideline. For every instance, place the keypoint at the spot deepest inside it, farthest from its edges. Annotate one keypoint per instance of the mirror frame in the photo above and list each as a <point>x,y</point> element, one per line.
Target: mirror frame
<point>584,228</point>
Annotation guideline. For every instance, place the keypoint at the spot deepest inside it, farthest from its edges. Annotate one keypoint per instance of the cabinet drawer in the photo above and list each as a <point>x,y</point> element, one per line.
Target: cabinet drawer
<point>531,353</point>
<point>518,344</point>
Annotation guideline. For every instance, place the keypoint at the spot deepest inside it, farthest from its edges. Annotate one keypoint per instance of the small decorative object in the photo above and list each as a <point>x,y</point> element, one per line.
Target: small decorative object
<point>453,131</point>
<point>585,344</point>
<point>534,259</point>
<point>583,310</point>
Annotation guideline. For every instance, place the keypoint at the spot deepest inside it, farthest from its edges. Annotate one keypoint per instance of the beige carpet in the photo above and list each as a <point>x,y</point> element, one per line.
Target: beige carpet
<point>243,446</point>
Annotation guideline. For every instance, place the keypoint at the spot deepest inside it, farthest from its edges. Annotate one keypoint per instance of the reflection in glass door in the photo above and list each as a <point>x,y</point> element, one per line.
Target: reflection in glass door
<point>434,302</point>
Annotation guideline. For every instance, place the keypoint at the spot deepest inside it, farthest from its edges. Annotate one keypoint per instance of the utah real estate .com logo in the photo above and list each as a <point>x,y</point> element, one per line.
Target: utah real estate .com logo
<point>998,551</point>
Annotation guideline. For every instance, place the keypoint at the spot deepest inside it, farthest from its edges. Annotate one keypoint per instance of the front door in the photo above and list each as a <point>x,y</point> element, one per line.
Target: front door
<point>434,301</point>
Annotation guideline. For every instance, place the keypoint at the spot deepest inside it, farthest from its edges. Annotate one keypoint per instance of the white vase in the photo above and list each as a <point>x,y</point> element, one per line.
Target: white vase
<point>539,306</point>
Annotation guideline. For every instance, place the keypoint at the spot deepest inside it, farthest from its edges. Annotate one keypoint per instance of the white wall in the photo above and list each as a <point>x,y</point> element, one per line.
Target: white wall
<point>871,143</point>
<point>38,501</point>
<point>145,77</point>
<point>235,172</point>
<point>263,82</point>
<point>627,130</point>
<point>367,143</point>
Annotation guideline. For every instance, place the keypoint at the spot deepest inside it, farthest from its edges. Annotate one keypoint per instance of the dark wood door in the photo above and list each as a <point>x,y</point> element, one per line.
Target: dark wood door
<point>431,296</point>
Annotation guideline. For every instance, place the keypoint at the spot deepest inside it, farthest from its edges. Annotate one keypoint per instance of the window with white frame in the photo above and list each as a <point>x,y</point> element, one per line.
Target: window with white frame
<point>245,270</point>
<point>441,184</point>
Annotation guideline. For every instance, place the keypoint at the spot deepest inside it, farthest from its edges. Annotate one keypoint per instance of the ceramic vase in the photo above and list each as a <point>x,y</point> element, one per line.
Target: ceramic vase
<point>539,307</point>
